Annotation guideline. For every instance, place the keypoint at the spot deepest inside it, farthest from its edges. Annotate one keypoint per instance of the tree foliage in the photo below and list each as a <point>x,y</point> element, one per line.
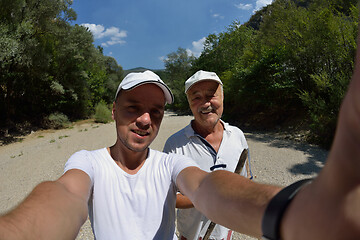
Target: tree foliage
<point>291,61</point>
<point>48,65</point>
<point>178,67</point>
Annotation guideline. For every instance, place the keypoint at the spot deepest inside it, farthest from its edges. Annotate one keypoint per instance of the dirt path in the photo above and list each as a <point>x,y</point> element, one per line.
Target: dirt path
<point>41,156</point>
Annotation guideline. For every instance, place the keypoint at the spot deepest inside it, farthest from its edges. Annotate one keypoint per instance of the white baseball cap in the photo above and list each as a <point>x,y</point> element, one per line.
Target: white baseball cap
<point>201,76</point>
<point>133,80</point>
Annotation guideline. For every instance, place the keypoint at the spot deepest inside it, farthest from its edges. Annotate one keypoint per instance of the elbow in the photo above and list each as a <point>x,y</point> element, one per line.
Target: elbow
<point>207,194</point>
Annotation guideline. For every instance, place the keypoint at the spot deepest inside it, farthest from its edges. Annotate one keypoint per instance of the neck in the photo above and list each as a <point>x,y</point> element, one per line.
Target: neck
<point>212,135</point>
<point>205,131</point>
<point>128,160</point>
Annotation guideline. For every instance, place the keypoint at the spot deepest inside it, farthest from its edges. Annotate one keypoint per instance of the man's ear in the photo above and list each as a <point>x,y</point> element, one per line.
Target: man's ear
<point>113,111</point>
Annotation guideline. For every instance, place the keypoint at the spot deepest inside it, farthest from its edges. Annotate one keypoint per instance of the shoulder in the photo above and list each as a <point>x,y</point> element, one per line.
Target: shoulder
<point>178,134</point>
<point>164,156</point>
<point>79,154</point>
<point>235,132</point>
<point>85,158</point>
<point>87,153</point>
<point>176,139</point>
<point>232,128</point>
<point>170,162</point>
<point>170,157</point>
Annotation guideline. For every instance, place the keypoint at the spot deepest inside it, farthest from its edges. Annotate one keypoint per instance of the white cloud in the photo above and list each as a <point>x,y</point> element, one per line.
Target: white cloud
<point>113,34</point>
<point>244,6</point>
<point>162,58</point>
<point>216,15</point>
<point>197,47</point>
<point>261,3</point>
<point>95,29</point>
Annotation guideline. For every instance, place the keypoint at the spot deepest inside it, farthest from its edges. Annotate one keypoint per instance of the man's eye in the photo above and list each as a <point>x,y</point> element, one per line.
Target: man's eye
<point>132,108</point>
<point>156,112</point>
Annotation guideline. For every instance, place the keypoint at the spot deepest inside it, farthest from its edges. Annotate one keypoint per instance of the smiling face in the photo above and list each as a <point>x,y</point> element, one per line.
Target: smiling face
<point>206,103</point>
<point>138,114</point>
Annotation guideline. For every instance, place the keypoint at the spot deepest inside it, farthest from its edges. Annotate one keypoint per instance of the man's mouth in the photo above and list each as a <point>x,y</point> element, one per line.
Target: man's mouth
<point>140,133</point>
<point>206,110</point>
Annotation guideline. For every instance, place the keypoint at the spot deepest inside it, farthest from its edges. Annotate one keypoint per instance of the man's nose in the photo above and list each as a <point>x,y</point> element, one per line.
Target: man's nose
<point>144,119</point>
<point>207,103</point>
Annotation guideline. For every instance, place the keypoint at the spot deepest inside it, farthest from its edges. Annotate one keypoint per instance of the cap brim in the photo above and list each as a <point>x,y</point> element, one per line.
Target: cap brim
<point>169,97</point>
<point>187,88</point>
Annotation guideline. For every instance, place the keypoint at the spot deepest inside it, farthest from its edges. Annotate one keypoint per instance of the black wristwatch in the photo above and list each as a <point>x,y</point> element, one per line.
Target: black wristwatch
<point>275,209</point>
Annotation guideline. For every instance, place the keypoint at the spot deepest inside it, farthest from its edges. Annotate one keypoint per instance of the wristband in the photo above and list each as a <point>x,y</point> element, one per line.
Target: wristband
<point>275,209</point>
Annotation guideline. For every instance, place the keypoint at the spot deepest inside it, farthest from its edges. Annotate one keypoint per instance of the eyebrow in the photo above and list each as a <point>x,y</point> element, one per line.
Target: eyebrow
<point>133,101</point>
<point>206,91</point>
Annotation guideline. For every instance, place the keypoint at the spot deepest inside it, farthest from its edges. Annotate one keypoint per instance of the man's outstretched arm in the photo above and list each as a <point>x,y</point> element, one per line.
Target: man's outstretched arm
<point>53,210</point>
<point>227,198</point>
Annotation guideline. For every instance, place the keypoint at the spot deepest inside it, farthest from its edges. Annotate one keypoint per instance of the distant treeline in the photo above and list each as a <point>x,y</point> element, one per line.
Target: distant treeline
<point>49,67</point>
<point>289,64</point>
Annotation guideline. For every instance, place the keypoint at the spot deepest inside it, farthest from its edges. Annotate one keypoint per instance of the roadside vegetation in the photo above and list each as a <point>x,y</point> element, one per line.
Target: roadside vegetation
<point>288,67</point>
<point>50,71</point>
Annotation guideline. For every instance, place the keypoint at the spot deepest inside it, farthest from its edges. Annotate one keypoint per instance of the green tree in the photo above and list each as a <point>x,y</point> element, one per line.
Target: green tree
<point>26,27</point>
<point>48,65</point>
<point>177,69</point>
<point>221,52</point>
<point>114,74</point>
<point>320,48</point>
<point>293,59</point>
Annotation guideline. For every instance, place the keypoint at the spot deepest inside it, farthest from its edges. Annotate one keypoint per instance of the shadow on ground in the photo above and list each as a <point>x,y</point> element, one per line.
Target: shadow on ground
<point>5,140</point>
<point>316,156</point>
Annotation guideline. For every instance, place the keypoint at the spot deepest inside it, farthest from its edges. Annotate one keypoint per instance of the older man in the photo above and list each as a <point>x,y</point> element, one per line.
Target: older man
<point>211,142</point>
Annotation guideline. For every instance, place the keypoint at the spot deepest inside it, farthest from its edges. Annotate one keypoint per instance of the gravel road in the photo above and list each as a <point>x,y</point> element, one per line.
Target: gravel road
<point>41,156</point>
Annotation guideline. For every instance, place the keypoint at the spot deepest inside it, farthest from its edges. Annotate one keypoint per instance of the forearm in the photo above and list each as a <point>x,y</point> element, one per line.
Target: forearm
<point>49,212</point>
<point>242,210</point>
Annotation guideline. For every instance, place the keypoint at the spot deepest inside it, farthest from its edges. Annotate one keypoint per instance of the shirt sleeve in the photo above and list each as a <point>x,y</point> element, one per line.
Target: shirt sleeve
<point>81,160</point>
<point>180,162</point>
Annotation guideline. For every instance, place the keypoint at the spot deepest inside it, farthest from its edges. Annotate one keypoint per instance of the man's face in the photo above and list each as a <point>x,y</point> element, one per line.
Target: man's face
<point>206,103</point>
<point>138,114</point>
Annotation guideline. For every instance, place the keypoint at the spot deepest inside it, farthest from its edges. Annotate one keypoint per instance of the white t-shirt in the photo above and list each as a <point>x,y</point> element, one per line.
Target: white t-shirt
<point>124,206</point>
<point>190,222</point>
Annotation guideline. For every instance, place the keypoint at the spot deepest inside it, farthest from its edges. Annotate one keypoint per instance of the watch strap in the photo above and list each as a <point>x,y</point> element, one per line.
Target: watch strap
<point>275,209</point>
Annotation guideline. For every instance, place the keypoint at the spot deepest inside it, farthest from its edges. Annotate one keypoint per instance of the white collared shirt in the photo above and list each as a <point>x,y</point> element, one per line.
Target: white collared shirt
<point>191,222</point>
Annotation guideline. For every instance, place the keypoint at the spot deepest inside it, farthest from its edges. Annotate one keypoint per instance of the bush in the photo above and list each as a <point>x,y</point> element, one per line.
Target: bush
<point>57,120</point>
<point>102,113</point>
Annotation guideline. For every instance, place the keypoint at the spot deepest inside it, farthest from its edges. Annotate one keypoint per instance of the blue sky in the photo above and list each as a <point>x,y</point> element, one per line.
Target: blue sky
<point>140,33</point>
